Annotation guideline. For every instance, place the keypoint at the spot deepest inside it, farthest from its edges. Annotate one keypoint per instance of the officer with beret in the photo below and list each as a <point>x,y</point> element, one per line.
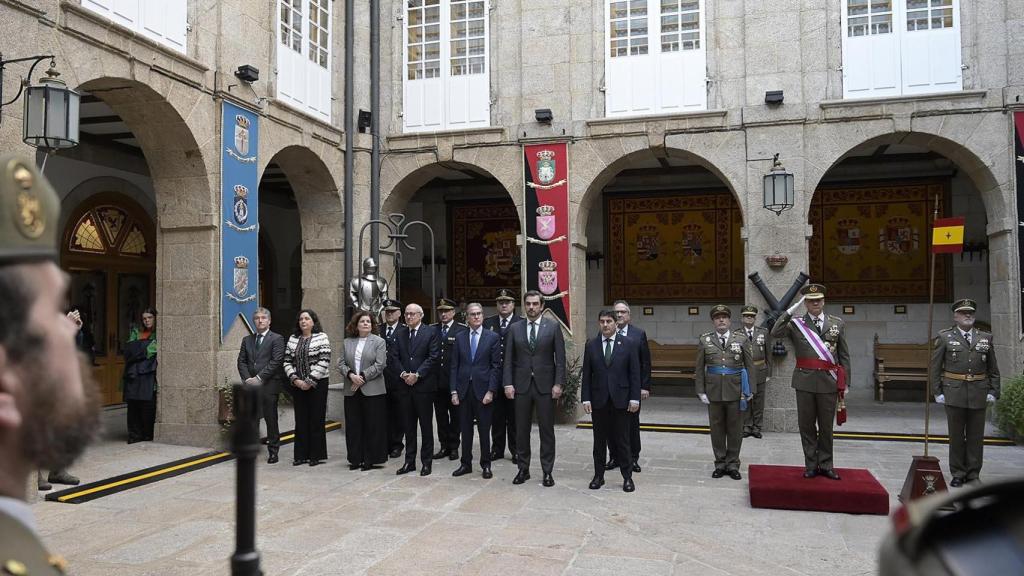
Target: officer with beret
<point>760,352</point>
<point>391,312</point>
<point>38,362</point>
<point>504,417</point>
<point>722,383</point>
<point>447,415</point>
<point>965,378</point>
<point>822,370</point>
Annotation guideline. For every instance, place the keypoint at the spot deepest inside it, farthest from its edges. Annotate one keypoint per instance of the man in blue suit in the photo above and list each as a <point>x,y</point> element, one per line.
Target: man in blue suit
<point>413,360</point>
<point>475,374</point>
<point>611,394</point>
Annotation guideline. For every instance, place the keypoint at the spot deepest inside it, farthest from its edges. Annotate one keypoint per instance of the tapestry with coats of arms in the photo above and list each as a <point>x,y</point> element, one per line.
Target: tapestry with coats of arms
<point>673,248</point>
<point>483,254</point>
<point>871,241</point>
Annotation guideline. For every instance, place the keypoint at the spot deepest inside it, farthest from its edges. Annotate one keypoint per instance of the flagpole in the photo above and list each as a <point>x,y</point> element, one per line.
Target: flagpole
<point>931,315</point>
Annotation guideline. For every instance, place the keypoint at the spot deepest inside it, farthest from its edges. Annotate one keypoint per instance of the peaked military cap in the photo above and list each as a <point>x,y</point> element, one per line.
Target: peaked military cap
<point>505,294</point>
<point>749,310</point>
<point>445,304</point>
<point>719,309</point>
<point>813,292</point>
<point>29,211</point>
<point>390,304</point>
<point>965,305</point>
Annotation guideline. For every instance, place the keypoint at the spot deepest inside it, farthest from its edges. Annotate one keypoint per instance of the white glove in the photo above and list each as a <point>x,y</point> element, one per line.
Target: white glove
<point>941,398</point>
<point>990,399</point>
<point>704,398</point>
<point>792,309</point>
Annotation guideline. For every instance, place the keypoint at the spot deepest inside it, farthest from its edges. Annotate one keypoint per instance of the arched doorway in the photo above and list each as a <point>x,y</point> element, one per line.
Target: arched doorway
<point>109,250</point>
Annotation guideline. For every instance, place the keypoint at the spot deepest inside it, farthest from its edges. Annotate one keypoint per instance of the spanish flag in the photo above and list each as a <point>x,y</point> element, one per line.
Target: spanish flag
<point>948,235</point>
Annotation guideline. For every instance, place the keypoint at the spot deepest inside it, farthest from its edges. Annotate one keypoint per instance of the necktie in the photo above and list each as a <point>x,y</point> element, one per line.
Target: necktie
<point>259,340</point>
<point>607,351</point>
<point>390,330</point>
<point>472,345</point>
<point>967,337</point>
<point>722,340</point>
<point>622,332</point>
<point>750,334</point>
<point>504,324</point>
<point>817,323</point>
<point>444,332</point>
<point>412,335</point>
<point>533,335</point>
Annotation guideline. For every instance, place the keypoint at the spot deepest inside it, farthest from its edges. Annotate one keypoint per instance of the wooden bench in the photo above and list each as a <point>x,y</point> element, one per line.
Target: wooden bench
<point>672,361</point>
<point>899,363</point>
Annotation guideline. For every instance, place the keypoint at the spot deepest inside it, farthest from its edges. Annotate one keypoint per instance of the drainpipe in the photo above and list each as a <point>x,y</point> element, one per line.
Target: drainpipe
<point>349,56</point>
<point>375,126</point>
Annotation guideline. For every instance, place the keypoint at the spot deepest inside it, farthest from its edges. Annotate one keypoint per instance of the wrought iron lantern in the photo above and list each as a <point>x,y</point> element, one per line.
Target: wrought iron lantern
<point>51,113</point>
<point>779,193</point>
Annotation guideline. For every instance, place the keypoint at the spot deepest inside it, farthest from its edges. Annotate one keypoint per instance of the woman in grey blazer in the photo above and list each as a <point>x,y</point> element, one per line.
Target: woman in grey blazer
<point>362,366</point>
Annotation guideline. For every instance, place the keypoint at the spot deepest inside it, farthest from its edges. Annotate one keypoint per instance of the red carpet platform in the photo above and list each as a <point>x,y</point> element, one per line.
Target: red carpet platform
<point>785,488</point>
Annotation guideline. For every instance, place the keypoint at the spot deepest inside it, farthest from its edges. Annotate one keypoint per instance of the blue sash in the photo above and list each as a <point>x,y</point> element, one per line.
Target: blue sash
<point>745,387</point>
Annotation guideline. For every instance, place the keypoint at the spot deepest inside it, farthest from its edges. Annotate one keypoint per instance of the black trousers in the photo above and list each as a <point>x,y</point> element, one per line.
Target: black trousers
<point>268,411</point>
<point>310,417</point>
<point>612,428</point>
<point>418,409</point>
<point>395,418</point>
<point>141,418</point>
<point>366,428</point>
<point>545,406</point>
<point>447,418</point>
<point>473,410</point>
<point>503,424</point>
<point>634,438</point>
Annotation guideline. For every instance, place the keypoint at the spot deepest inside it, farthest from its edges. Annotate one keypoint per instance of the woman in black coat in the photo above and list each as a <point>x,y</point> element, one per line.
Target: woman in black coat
<point>139,380</point>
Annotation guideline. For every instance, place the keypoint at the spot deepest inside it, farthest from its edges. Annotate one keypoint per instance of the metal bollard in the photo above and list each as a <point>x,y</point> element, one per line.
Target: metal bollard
<point>245,445</point>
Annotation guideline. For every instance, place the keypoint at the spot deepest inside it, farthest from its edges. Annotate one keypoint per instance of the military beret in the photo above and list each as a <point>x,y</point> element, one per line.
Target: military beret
<point>749,310</point>
<point>445,304</point>
<point>505,294</point>
<point>719,309</point>
<point>813,292</point>
<point>965,305</point>
<point>390,304</point>
<point>29,211</point>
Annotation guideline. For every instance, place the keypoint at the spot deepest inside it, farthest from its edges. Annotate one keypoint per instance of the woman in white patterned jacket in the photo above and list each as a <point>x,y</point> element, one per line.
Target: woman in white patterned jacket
<point>307,364</point>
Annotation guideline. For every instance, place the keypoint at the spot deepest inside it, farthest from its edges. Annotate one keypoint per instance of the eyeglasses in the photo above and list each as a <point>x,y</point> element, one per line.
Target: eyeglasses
<point>414,313</point>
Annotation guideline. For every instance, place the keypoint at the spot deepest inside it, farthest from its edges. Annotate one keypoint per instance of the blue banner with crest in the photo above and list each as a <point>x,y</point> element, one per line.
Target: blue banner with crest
<point>240,215</point>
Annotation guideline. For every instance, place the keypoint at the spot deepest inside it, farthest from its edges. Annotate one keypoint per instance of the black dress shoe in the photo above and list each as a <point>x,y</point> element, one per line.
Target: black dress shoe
<point>830,474</point>
<point>134,440</point>
<point>440,454</point>
<point>956,482</point>
<point>354,466</point>
<point>368,467</point>
<point>272,458</point>
<point>453,454</point>
<point>315,462</point>
<point>425,471</point>
<point>757,435</point>
<point>810,473</point>
<point>515,459</point>
<point>636,467</point>
<point>611,465</point>
<point>735,474</point>
<point>395,452</point>
<point>718,473</point>
<point>462,470</point>
<point>405,469</point>
<point>487,474</point>
<point>549,480</point>
<point>627,485</point>
<point>521,476</point>
<point>597,482</point>
<point>300,462</point>
<point>747,433</point>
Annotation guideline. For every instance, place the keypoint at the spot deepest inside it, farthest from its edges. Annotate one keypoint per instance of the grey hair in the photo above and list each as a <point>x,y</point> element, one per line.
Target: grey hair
<point>623,302</point>
<point>261,310</point>
<point>477,304</point>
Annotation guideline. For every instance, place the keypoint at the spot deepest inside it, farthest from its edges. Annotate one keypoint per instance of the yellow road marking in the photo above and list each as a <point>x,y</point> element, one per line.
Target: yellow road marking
<point>219,456</point>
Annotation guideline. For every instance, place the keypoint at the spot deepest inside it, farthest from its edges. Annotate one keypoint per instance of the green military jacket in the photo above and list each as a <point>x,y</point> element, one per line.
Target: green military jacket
<point>761,353</point>
<point>951,354</point>
<point>722,387</point>
<point>833,333</point>
<point>21,552</point>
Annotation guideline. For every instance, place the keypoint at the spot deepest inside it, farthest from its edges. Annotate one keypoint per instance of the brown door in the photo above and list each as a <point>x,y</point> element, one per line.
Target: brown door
<point>109,250</point>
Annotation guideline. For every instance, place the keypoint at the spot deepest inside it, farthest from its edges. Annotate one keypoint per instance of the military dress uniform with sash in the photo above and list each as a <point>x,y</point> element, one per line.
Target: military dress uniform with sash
<point>760,351</point>
<point>817,382</point>
<point>722,373</point>
<point>965,372</point>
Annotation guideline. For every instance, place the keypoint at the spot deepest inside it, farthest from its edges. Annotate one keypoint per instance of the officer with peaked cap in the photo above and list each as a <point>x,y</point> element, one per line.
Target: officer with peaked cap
<point>760,353</point>
<point>447,414</point>
<point>391,311</point>
<point>503,423</point>
<point>965,377</point>
<point>38,361</point>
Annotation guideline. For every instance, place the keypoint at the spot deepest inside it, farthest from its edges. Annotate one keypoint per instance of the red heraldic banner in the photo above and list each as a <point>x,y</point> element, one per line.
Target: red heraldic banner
<point>546,266</point>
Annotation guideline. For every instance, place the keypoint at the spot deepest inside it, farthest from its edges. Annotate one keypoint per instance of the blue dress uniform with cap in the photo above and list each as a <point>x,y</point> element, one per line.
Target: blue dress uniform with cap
<point>504,417</point>
<point>722,373</point>
<point>965,375</point>
<point>29,215</point>
<point>759,344</point>
<point>394,384</point>
<point>447,414</point>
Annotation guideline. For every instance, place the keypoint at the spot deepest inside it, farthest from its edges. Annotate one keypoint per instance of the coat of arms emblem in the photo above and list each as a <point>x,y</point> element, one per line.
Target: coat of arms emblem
<point>241,276</point>
<point>241,205</point>
<point>898,237</point>
<point>849,236</point>
<point>241,135</point>
<point>547,278</point>
<point>546,222</point>
<point>647,242</point>
<point>546,166</point>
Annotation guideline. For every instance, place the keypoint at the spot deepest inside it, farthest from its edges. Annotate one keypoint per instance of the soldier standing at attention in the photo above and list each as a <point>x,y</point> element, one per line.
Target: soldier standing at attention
<point>965,378</point>
<point>504,422</point>
<point>760,352</point>
<point>723,366</point>
<point>822,371</point>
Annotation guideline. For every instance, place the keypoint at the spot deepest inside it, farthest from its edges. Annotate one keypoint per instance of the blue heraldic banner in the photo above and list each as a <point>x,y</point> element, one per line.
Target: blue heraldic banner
<point>240,136</point>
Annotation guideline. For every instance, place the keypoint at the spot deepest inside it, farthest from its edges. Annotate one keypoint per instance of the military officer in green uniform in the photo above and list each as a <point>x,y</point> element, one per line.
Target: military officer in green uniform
<point>822,368</point>
<point>49,405</point>
<point>965,378</point>
<point>760,352</point>
<point>722,371</point>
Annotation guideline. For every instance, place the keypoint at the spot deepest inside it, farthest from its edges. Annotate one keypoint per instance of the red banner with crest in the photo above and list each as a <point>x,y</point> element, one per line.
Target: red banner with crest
<point>546,266</point>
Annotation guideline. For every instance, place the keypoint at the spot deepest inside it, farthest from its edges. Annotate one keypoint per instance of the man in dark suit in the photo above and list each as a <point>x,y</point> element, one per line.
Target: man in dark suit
<point>611,394</point>
<point>623,321</point>
<point>392,313</point>
<point>504,422</point>
<point>413,359</point>
<point>447,414</point>
<point>261,362</point>
<point>474,377</point>
<point>534,374</point>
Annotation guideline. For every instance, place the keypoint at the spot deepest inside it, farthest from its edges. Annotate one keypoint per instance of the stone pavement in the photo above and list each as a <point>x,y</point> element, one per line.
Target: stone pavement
<point>329,520</point>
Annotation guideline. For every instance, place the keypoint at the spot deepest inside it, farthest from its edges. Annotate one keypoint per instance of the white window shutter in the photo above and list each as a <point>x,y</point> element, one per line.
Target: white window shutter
<point>931,58</point>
